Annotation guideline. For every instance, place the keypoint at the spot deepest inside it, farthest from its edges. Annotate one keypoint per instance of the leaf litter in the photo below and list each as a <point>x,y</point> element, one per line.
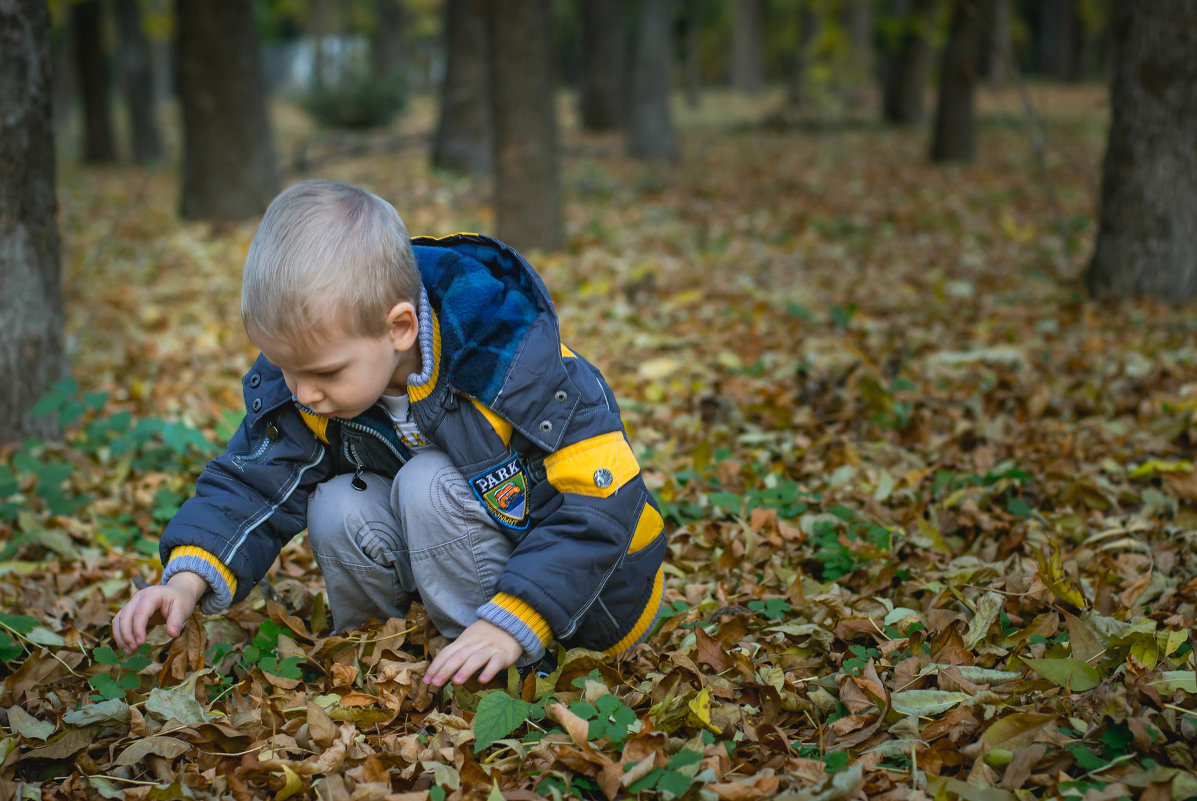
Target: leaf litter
<point>932,511</point>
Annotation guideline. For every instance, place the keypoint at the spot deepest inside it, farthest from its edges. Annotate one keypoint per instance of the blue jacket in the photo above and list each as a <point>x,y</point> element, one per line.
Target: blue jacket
<point>532,426</point>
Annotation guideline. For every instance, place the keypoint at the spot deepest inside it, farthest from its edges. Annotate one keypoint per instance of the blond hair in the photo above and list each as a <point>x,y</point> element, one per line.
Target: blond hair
<point>328,258</point>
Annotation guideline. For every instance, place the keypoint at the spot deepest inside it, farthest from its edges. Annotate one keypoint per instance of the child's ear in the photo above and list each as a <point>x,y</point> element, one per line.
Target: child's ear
<point>402,325</point>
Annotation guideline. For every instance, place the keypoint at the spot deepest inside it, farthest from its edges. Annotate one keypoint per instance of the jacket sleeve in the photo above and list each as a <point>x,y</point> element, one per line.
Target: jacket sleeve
<point>590,509</point>
<point>248,503</point>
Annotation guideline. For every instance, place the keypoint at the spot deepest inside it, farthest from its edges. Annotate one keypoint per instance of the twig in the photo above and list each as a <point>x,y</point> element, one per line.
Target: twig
<point>21,636</point>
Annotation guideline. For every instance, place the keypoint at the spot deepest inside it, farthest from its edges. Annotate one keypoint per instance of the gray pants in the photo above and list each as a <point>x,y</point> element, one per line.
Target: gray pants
<point>423,533</point>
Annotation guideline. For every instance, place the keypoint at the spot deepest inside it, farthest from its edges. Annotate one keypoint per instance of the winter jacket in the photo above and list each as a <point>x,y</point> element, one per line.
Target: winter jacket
<point>532,426</point>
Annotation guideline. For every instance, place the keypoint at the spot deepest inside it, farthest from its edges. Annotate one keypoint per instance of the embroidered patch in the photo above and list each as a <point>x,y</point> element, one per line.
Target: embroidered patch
<point>503,490</point>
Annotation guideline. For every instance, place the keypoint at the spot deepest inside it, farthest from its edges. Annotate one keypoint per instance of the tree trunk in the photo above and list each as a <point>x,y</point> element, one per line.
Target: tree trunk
<point>651,133</point>
<point>996,45</point>
<point>748,46</point>
<point>604,55</point>
<point>691,64</point>
<point>523,109</point>
<point>955,115</point>
<point>386,46</point>
<point>229,170</point>
<point>137,75</point>
<point>87,25</point>
<point>1056,39</point>
<point>799,60</point>
<point>1147,231</point>
<point>31,313</point>
<point>463,134</point>
<point>858,25</point>
<point>910,65</point>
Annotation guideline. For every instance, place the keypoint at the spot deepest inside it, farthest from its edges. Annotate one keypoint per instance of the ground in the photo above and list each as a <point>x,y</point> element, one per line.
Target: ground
<point>931,509</point>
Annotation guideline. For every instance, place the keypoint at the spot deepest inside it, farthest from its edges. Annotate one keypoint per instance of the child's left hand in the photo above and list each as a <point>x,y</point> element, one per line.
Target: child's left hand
<point>482,646</point>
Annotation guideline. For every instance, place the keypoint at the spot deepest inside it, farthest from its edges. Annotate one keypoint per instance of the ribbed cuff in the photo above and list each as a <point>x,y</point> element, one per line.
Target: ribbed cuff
<point>520,620</point>
<point>222,583</point>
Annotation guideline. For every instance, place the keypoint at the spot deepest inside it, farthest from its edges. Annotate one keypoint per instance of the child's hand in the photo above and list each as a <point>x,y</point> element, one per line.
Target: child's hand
<point>482,646</point>
<point>174,601</point>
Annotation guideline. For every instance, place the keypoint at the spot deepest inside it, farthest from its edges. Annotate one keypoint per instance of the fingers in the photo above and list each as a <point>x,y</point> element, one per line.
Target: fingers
<point>497,663</point>
<point>176,617</point>
<point>472,664</point>
<point>445,664</point>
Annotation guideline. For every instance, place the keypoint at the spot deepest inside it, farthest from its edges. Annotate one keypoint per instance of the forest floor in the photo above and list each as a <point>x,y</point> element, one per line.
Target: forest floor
<point>932,511</point>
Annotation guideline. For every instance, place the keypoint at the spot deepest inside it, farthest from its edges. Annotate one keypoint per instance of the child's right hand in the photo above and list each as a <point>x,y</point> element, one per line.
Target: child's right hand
<point>173,601</point>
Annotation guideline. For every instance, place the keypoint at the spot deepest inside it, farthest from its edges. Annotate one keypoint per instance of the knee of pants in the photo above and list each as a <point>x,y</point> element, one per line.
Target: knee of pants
<point>434,501</point>
<point>343,521</point>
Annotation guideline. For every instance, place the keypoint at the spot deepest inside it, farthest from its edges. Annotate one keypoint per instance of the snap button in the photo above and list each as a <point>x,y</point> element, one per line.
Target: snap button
<point>254,379</point>
<point>603,478</point>
<point>546,426</point>
<point>256,405</point>
<point>561,396</point>
<point>272,431</point>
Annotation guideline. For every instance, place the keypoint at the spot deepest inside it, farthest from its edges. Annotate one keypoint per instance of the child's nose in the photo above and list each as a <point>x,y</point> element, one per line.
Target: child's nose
<point>308,393</point>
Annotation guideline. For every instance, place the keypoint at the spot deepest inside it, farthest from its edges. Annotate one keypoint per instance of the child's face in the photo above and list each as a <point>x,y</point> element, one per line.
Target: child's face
<point>340,375</point>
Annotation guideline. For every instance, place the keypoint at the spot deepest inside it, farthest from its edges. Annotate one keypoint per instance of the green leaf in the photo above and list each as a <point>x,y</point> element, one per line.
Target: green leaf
<point>674,782</point>
<point>926,703</point>
<point>497,716</point>
<point>8,649</point>
<point>1072,674</point>
<point>21,624</point>
<point>684,758</point>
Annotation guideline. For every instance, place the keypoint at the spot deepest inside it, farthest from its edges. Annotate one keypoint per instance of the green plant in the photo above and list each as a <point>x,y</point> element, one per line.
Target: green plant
<point>263,653</point>
<point>123,679</point>
<point>669,780</point>
<point>18,625</point>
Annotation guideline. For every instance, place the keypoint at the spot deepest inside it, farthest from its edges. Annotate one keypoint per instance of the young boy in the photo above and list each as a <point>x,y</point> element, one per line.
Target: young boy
<point>414,408</point>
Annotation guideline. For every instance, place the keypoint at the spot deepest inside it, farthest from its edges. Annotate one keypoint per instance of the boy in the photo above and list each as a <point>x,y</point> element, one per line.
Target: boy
<point>414,408</point>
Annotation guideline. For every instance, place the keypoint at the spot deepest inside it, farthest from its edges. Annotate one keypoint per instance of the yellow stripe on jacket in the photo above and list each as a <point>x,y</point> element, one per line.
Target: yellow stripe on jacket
<point>647,616</point>
<point>596,467</point>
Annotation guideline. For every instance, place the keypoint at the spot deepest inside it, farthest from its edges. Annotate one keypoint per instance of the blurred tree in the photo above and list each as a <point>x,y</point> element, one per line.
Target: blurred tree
<point>1147,232</point>
<point>1057,39</point>
<point>997,47</point>
<point>748,46</point>
<point>909,63</point>
<point>387,54</point>
<point>797,63</point>
<point>857,71</point>
<point>137,76</point>
<point>31,311</point>
<point>955,132</point>
<point>91,62</point>
<point>464,131</point>
<point>523,109</point>
<point>692,55</point>
<point>649,120</point>
<point>604,57</point>
<point>229,169</point>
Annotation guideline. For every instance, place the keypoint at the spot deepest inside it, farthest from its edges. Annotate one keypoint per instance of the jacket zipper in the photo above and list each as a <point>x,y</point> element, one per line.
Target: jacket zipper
<point>352,426</point>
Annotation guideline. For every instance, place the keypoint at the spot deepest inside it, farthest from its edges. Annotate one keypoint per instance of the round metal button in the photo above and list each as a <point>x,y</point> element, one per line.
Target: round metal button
<point>254,379</point>
<point>561,396</point>
<point>546,426</point>
<point>256,405</point>
<point>603,478</point>
<point>272,431</point>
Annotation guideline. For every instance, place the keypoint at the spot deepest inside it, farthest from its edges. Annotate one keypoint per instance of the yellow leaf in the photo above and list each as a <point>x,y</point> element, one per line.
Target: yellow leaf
<point>1051,573</point>
<point>656,369</point>
<point>1147,651</point>
<point>1155,467</point>
<point>292,784</point>
<point>700,710</point>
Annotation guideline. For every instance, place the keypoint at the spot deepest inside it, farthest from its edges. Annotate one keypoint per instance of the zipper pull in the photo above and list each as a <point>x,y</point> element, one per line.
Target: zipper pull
<point>358,483</point>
